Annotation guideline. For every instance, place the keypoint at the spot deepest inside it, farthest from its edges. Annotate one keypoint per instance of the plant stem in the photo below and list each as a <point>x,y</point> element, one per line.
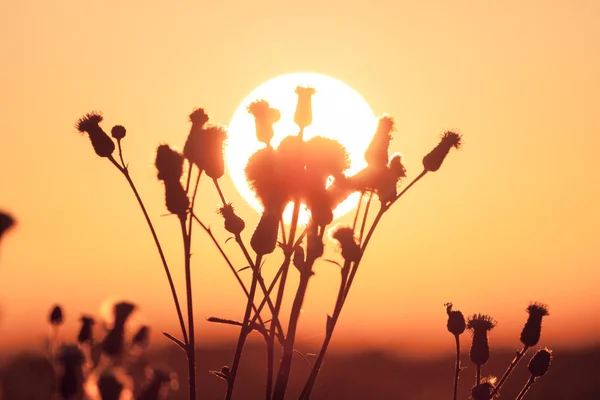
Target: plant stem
<point>510,368</point>
<point>191,347</point>
<point>526,388</point>
<point>478,375</point>
<point>365,216</point>
<point>357,210</point>
<point>457,371</point>
<point>123,169</point>
<point>244,331</point>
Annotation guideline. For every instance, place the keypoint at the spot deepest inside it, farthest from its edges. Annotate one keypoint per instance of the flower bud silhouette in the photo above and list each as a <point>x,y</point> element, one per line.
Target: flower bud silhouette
<point>303,114</point>
<point>102,143</point>
<point>86,332</point>
<point>142,337</point>
<point>480,325</point>
<point>176,200</point>
<point>530,335</point>
<point>540,362</point>
<point>56,316</point>
<point>169,163</point>
<point>233,223</point>
<point>433,161</point>
<point>212,161</point>
<point>456,321</point>
<point>376,154</point>
<point>109,386</point>
<point>112,344</point>
<point>264,238</point>
<point>71,360</point>
<point>264,118</point>
<point>387,182</point>
<point>485,390</point>
<point>6,222</point>
<point>344,235</point>
<point>118,132</point>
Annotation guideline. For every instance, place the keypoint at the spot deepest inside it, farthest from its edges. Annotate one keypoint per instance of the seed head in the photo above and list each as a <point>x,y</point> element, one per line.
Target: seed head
<point>377,152</point>
<point>198,118</point>
<point>456,321</point>
<point>530,335</point>
<point>264,238</point>
<point>540,362</point>
<point>86,332</point>
<point>344,235</point>
<point>480,325</point>
<point>485,390</point>
<point>212,152</point>
<point>326,157</point>
<point>264,118</point>
<point>263,173</point>
<point>303,114</point>
<point>118,132</point>
<point>176,199</point>
<point>102,143</point>
<point>169,164</point>
<point>233,223</point>
<point>6,223</point>
<point>433,161</point>
<point>56,316</point>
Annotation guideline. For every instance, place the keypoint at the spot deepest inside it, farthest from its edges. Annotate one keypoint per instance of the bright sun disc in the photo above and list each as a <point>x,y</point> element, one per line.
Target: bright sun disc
<point>339,113</point>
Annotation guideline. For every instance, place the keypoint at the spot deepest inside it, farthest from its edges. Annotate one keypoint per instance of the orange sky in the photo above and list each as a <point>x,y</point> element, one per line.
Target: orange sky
<point>513,217</point>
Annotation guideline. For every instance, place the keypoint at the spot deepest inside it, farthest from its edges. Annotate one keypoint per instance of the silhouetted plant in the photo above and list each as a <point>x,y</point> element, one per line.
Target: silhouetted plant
<point>456,326</point>
<point>538,366</point>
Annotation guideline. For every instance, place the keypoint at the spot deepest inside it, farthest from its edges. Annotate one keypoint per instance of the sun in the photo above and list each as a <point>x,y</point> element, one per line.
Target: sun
<point>339,112</point>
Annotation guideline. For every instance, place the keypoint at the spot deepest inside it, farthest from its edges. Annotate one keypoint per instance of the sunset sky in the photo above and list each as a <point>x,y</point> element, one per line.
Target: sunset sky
<point>512,217</point>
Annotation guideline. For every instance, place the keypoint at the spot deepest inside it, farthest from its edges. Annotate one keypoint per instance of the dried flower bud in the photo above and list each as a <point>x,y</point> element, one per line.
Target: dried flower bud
<point>530,335</point>
<point>112,344</point>
<point>233,223</point>
<point>169,164</point>
<point>86,334</point>
<point>6,222</point>
<point>376,154</point>
<point>540,362</point>
<point>212,161</point>
<point>264,238</point>
<point>71,381</point>
<point>176,199</point>
<point>303,114</point>
<point>344,235</point>
<point>56,316</point>
<point>264,118</point>
<point>109,386</point>
<point>195,140</point>
<point>102,143</point>
<point>118,132</point>
<point>433,161</point>
<point>142,337</point>
<point>456,321</point>
<point>480,325</point>
<point>198,118</point>
<point>485,390</point>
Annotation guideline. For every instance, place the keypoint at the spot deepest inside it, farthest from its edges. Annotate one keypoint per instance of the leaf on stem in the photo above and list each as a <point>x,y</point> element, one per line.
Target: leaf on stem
<point>175,340</point>
<point>304,358</point>
<point>329,326</point>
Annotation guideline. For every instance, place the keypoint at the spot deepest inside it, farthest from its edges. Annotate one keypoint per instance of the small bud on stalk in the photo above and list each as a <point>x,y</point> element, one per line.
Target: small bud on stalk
<point>233,223</point>
<point>344,235</point>
<point>303,114</point>
<point>456,321</point>
<point>485,390</point>
<point>530,335</point>
<point>56,316</point>
<point>102,143</point>
<point>118,132</point>
<point>433,161</point>
<point>264,118</point>
<point>540,362</point>
<point>480,325</point>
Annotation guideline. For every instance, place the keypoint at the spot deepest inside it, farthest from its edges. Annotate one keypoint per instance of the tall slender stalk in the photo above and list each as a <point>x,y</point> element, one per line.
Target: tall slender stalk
<point>124,170</point>
<point>526,388</point>
<point>510,368</point>
<point>478,375</point>
<point>458,368</point>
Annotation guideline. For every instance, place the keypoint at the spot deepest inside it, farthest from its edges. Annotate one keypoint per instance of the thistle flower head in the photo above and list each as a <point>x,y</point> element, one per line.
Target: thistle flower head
<point>6,223</point>
<point>540,362</point>
<point>169,164</point>
<point>433,161</point>
<point>396,166</point>
<point>485,390</point>
<point>122,311</point>
<point>376,154</point>
<point>538,310</point>
<point>344,235</point>
<point>264,177</point>
<point>530,335</point>
<point>102,143</point>
<point>118,132</point>
<point>264,118</point>
<point>303,114</point>
<point>264,237</point>
<point>233,223</point>
<point>325,157</point>
<point>479,323</point>
<point>211,152</point>
<point>56,316</point>
<point>456,321</point>
<point>198,117</point>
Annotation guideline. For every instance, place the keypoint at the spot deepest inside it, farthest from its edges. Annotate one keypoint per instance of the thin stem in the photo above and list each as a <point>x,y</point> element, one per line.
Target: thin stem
<point>244,331</point>
<point>125,173</point>
<point>365,216</point>
<point>121,153</point>
<point>282,228</point>
<point>218,187</point>
<point>510,368</point>
<point>478,375</point>
<point>526,388</point>
<point>270,368</point>
<point>457,370</point>
<point>191,348</point>
<point>360,199</point>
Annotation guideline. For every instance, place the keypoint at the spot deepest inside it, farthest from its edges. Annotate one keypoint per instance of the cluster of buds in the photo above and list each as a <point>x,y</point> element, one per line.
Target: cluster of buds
<point>204,145</point>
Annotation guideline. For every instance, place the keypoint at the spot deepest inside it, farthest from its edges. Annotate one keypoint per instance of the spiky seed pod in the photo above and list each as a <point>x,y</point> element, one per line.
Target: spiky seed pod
<point>433,161</point>
<point>112,344</point>
<point>142,337</point>
<point>264,238</point>
<point>212,161</point>
<point>176,200</point>
<point>109,386</point>
<point>198,118</point>
<point>71,381</point>
<point>6,222</point>
<point>233,223</point>
<point>303,114</point>
<point>530,335</point>
<point>102,143</point>
<point>56,315</point>
<point>344,235</point>
<point>194,143</point>
<point>540,362</point>
<point>480,325</point>
<point>152,389</point>
<point>264,118</point>
<point>86,334</point>
<point>118,132</point>
<point>456,321</point>
<point>485,390</point>
<point>376,154</point>
<point>169,164</point>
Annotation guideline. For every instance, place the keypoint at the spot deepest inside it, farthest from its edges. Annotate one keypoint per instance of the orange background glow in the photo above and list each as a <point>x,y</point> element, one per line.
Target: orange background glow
<point>513,217</point>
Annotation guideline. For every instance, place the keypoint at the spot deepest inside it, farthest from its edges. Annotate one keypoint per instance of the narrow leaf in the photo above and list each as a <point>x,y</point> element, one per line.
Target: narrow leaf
<point>333,262</point>
<point>224,321</point>
<point>175,340</point>
<point>329,326</point>
<point>242,269</point>
<point>304,358</point>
